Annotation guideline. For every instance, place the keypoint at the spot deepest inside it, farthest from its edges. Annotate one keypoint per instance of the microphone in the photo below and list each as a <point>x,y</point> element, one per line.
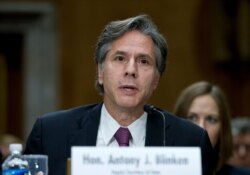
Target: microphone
<point>150,109</point>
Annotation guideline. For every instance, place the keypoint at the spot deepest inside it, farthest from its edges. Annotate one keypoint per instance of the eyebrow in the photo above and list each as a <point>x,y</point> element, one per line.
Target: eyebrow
<point>195,113</point>
<point>124,53</point>
<point>119,52</point>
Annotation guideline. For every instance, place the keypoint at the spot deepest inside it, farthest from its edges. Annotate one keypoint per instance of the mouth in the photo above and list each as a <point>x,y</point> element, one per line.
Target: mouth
<point>128,88</point>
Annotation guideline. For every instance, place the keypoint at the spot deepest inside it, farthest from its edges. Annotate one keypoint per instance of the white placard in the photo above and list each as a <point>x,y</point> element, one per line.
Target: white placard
<point>135,161</point>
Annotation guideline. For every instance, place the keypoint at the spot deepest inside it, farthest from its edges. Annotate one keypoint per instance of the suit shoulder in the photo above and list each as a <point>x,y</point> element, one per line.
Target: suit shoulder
<point>184,123</point>
<point>75,112</point>
<point>183,127</point>
<point>69,119</point>
<point>233,170</point>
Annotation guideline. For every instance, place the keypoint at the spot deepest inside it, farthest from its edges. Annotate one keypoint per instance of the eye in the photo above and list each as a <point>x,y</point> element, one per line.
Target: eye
<point>212,119</point>
<point>119,58</point>
<point>143,61</point>
<point>192,117</point>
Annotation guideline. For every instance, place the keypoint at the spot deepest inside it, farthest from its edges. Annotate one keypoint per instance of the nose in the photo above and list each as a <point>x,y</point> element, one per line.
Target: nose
<point>201,123</point>
<point>131,68</point>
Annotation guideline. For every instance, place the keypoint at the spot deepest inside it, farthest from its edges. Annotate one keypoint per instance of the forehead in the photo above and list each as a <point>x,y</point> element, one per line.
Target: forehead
<point>205,103</point>
<point>134,40</point>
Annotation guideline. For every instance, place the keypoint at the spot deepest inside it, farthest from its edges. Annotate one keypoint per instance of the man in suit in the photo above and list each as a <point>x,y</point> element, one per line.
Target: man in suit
<point>131,57</point>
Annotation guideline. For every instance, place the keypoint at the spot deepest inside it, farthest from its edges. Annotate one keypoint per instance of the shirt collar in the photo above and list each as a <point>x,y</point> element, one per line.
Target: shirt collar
<point>138,130</point>
<point>108,127</point>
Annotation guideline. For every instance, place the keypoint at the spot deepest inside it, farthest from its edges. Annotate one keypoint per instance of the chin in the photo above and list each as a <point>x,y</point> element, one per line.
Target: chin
<point>127,105</point>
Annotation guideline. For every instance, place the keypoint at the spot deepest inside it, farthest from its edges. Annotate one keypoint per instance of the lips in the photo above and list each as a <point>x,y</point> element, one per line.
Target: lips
<point>128,88</point>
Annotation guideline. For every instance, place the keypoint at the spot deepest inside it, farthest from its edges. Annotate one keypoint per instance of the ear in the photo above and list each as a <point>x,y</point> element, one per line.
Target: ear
<point>100,74</point>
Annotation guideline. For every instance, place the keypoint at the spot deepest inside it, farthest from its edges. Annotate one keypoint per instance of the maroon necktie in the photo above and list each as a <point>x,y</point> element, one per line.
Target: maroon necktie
<point>122,136</point>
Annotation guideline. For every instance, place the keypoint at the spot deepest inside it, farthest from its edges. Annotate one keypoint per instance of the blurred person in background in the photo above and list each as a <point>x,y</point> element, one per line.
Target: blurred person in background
<point>241,141</point>
<point>205,104</point>
<point>5,141</point>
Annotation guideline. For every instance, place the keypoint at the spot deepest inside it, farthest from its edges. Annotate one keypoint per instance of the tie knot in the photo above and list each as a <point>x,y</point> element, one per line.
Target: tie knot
<point>122,136</point>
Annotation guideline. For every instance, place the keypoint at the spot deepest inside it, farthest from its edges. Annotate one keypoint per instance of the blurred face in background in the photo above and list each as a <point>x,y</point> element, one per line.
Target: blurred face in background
<point>4,149</point>
<point>205,113</point>
<point>241,154</point>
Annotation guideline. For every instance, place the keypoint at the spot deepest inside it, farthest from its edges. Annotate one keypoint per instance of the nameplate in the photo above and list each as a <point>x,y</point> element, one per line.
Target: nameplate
<point>135,161</point>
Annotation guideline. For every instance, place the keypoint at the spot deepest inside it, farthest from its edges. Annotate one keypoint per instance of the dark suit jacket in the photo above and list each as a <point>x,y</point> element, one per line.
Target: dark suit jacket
<point>53,134</point>
<point>233,170</point>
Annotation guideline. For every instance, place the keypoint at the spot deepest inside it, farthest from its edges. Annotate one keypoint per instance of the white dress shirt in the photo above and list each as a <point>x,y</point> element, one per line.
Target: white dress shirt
<point>108,127</point>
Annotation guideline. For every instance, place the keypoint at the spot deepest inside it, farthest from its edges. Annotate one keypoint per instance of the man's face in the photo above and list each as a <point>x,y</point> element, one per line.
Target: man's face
<point>129,74</point>
<point>241,155</point>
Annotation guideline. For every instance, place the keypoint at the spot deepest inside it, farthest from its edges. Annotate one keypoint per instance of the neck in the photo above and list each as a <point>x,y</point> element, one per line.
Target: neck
<point>124,116</point>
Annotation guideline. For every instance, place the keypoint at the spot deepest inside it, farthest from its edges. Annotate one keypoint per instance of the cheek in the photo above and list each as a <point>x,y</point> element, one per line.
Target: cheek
<point>214,134</point>
<point>155,82</point>
<point>148,86</point>
<point>151,81</point>
<point>106,74</point>
<point>100,75</point>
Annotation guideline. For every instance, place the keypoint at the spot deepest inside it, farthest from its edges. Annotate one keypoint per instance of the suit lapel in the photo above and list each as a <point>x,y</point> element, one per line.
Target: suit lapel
<point>155,130</point>
<point>88,128</point>
<point>86,135</point>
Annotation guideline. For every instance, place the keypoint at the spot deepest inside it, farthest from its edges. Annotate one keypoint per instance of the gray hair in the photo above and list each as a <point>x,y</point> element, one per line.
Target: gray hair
<point>240,125</point>
<point>116,29</point>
